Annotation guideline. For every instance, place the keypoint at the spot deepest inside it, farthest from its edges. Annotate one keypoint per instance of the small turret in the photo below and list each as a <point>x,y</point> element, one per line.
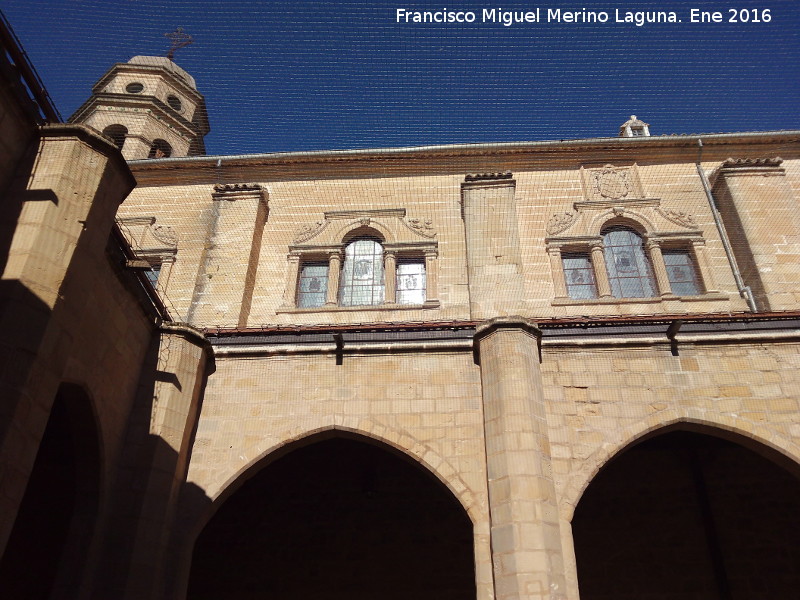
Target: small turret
<point>633,127</point>
<point>150,107</point>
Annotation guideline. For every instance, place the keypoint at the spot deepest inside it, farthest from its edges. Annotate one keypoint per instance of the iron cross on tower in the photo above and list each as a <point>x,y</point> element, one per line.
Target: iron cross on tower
<point>179,39</point>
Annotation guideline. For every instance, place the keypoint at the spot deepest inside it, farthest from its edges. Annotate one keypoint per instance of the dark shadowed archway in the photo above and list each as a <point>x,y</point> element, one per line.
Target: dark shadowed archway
<point>337,519</point>
<point>689,516</point>
<point>46,553</point>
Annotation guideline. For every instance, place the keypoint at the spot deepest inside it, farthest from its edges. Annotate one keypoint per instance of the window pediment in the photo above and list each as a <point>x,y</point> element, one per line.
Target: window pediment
<point>391,224</point>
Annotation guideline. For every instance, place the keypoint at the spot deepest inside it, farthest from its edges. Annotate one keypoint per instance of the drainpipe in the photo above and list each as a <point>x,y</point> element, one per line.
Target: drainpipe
<point>744,290</point>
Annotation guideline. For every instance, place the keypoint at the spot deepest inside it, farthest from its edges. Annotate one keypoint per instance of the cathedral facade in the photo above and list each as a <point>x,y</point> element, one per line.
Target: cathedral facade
<point>542,370</point>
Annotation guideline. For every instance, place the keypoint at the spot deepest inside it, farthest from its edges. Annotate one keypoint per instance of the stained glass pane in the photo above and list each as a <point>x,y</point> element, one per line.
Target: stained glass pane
<point>152,273</point>
<point>362,274</point>
<point>628,268</point>
<point>411,282</point>
<point>681,273</point>
<point>313,285</point>
<point>579,276</point>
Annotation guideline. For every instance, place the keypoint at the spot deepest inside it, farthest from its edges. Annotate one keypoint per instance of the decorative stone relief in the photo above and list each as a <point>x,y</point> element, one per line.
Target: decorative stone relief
<point>610,182</point>
<point>678,217</point>
<point>488,176</point>
<point>753,162</point>
<point>391,224</point>
<point>222,188</point>
<point>146,237</point>
<point>422,226</point>
<point>560,222</point>
<point>165,234</point>
<point>308,231</point>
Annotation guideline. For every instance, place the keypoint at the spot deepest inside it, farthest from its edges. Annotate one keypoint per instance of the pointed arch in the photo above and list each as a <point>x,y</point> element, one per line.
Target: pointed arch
<point>47,550</point>
<point>354,508</point>
<point>395,440</point>
<point>725,426</point>
<point>690,510</point>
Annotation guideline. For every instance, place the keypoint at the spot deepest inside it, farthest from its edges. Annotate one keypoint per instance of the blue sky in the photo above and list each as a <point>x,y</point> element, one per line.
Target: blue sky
<point>281,76</point>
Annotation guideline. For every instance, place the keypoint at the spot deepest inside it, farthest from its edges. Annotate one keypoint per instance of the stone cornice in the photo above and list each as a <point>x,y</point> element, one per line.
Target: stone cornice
<point>752,162</point>
<point>463,158</point>
<point>108,100</point>
<point>173,79</point>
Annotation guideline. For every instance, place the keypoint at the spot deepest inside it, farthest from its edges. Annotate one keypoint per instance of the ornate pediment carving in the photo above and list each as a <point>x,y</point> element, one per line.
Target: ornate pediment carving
<point>423,227</point>
<point>678,217</point>
<point>560,222</point>
<point>146,237</point>
<point>391,224</point>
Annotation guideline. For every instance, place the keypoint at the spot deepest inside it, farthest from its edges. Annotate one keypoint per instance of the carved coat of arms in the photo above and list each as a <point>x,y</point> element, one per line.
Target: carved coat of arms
<point>610,182</point>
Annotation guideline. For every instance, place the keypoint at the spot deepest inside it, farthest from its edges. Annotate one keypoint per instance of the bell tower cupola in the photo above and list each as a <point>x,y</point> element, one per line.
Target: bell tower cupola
<point>149,107</point>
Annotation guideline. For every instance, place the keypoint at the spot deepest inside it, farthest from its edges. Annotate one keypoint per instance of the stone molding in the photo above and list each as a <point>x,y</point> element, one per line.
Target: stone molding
<point>396,229</point>
<point>516,322</point>
<point>733,167</point>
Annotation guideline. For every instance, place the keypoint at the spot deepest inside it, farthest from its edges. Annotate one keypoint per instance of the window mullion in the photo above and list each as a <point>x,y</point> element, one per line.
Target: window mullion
<point>659,268</point>
<point>600,271</point>
<point>390,276</point>
<point>334,273</point>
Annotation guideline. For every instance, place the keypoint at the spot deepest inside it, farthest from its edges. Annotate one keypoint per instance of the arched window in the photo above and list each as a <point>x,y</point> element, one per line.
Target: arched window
<point>117,133</point>
<point>160,149</point>
<point>362,280</point>
<point>629,271</point>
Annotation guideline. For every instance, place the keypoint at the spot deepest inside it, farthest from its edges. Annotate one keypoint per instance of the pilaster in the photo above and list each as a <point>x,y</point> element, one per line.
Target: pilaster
<point>225,286</point>
<point>526,539</point>
<point>759,209</point>
<point>493,251</point>
<point>174,393</point>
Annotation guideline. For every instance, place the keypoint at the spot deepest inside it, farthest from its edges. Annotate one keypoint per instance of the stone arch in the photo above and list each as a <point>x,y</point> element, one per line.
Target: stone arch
<point>160,149</point>
<point>740,429</point>
<point>365,228</point>
<point>624,218</point>
<point>117,133</point>
<point>249,502</point>
<point>46,554</point>
<point>690,509</point>
<point>394,439</point>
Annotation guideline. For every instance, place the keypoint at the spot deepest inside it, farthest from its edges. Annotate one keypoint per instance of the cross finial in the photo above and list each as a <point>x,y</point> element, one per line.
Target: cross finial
<point>179,39</point>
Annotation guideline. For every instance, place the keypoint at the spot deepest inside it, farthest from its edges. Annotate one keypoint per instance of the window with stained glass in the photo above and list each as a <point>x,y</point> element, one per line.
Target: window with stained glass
<point>312,285</point>
<point>411,281</point>
<point>362,280</point>
<point>579,276</point>
<point>153,273</point>
<point>681,273</point>
<point>628,267</point>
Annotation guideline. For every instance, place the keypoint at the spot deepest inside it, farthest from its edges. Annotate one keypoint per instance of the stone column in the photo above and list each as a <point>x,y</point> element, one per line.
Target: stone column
<point>760,212</point>
<point>557,268</point>
<point>334,274</point>
<point>225,283</point>
<point>600,272</point>
<point>293,272</point>
<point>492,238</point>
<point>431,278</point>
<point>706,274</point>
<point>659,268</point>
<point>159,440</point>
<point>390,276</point>
<point>525,533</point>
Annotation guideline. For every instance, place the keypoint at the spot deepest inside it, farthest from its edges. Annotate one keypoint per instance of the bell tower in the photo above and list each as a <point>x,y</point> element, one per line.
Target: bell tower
<point>149,107</point>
